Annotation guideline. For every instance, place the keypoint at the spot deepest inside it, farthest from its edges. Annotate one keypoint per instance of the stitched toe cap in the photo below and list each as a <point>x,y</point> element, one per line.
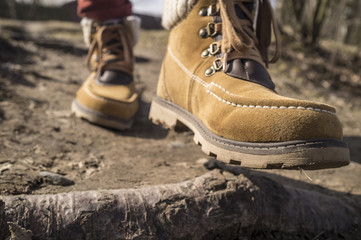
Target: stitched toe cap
<point>277,125</point>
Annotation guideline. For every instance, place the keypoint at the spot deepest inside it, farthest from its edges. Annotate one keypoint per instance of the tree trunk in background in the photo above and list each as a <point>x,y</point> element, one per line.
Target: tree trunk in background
<point>310,17</point>
<point>315,19</point>
<point>300,8</point>
<point>353,21</point>
<point>12,8</point>
<point>318,19</point>
<point>283,13</point>
<point>33,9</point>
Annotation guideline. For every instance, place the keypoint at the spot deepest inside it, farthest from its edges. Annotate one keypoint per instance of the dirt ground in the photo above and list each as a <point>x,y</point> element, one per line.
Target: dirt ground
<point>41,68</point>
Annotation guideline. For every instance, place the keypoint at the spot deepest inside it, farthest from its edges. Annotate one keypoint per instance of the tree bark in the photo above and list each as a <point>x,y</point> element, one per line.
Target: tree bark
<point>12,9</point>
<point>211,205</point>
<point>318,19</point>
<point>300,8</point>
<point>353,34</point>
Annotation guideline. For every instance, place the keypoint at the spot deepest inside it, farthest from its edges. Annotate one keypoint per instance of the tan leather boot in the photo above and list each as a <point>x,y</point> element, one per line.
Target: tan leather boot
<point>108,97</point>
<point>214,81</point>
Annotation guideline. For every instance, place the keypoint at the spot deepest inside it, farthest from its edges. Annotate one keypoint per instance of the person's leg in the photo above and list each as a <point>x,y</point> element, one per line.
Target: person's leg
<point>108,97</point>
<point>101,10</point>
<point>214,80</point>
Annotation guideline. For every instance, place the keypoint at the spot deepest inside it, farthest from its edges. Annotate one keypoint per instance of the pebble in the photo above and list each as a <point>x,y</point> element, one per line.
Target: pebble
<point>176,144</point>
<point>56,179</point>
<point>202,161</point>
<point>5,167</point>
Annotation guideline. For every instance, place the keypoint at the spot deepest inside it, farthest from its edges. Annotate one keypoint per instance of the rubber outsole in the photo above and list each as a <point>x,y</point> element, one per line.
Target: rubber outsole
<point>99,118</point>
<point>307,154</point>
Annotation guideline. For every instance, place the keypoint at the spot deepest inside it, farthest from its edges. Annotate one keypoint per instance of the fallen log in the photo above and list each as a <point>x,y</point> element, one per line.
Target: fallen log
<point>211,206</point>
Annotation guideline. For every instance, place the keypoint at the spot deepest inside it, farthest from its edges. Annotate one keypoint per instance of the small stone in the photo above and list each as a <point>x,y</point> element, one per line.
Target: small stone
<point>5,167</point>
<point>162,164</point>
<point>176,144</point>
<point>55,179</point>
<point>27,140</point>
<point>59,66</point>
<point>202,161</point>
<point>183,164</point>
<point>56,129</point>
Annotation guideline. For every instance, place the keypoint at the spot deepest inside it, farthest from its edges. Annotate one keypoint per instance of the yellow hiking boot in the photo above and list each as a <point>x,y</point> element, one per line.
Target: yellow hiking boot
<point>108,97</point>
<point>214,81</point>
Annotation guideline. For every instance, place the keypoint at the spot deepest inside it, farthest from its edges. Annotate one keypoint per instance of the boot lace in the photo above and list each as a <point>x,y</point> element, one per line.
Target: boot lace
<point>239,40</point>
<point>112,49</point>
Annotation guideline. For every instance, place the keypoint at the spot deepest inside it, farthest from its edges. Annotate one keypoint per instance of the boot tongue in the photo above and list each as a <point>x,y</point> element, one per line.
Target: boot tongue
<point>250,6</point>
<point>113,68</point>
<point>247,69</point>
<point>114,54</point>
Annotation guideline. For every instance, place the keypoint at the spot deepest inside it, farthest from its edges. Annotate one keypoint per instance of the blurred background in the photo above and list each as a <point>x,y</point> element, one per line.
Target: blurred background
<point>311,20</point>
<point>64,9</point>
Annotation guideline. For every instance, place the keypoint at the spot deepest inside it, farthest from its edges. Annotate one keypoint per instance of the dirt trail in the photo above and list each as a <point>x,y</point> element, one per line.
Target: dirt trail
<point>40,72</point>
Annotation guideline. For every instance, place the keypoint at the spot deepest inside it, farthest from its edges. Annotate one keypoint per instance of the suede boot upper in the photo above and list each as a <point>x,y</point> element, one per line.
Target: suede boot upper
<point>215,70</point>
<point>108,97</point>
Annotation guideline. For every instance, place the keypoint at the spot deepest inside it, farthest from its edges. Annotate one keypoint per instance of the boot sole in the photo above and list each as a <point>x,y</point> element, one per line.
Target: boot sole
<point>307,154</point>
<point>99,118</point>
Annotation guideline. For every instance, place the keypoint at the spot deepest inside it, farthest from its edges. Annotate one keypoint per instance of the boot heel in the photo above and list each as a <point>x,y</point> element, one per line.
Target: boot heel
<point>160,115</point>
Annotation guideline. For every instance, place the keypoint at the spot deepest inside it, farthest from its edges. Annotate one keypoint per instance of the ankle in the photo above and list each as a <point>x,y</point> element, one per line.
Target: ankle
<point>89,27</point>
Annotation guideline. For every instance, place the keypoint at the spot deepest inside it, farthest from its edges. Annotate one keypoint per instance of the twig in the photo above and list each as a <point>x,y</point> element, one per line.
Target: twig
<point>304,173</point>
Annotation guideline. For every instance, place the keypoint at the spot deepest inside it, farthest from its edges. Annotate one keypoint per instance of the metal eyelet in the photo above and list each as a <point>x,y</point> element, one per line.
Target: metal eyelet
<point>209,31</point>
<point>217,64</point>
<point>208,11</point>
<point>210,71</point>
<point>203,33</point>
<point>205,53</point>
<point>213,48</point>
<point>212,10</point>
<point>203,12</point>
